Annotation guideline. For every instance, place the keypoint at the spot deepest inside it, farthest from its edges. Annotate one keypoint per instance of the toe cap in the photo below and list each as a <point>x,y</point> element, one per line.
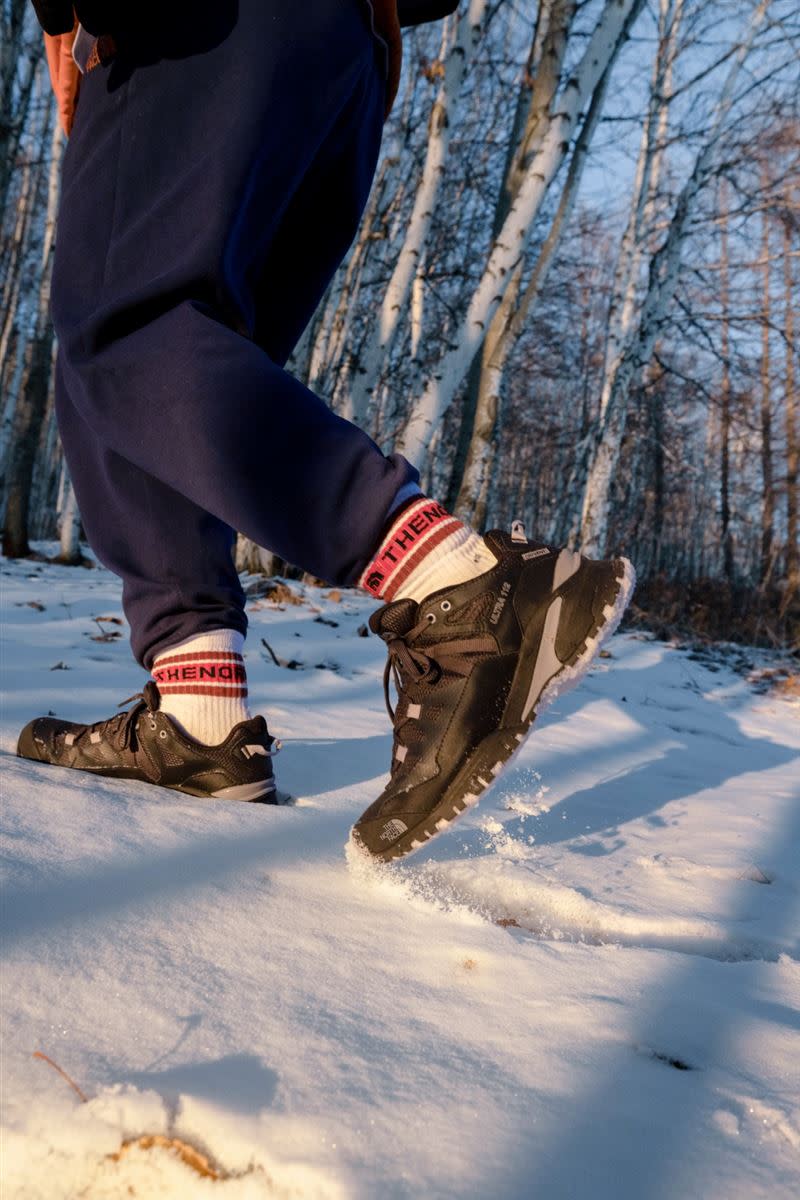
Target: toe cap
<point>31,743</point>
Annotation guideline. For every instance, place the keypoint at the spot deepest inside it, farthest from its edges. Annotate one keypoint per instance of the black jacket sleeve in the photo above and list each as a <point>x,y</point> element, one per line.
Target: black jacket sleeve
<point>55,16</point>
<point>415,12</point>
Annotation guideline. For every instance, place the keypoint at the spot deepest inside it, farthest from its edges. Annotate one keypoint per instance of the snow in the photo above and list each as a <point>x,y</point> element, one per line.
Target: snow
<point>227,977</point>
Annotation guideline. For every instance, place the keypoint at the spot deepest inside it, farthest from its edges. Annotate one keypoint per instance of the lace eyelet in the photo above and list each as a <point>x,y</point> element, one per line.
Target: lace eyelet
<point>445,606</point>
<point>162,733</point>
<point>152,725</point>
<point>430,618</point>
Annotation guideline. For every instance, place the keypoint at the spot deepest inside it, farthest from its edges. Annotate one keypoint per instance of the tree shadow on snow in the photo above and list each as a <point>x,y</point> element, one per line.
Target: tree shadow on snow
<point>711,750</point>
<point>241,1080</point>
<point>641,1128</point>
<point>309,766</point>
<point>265,836</point>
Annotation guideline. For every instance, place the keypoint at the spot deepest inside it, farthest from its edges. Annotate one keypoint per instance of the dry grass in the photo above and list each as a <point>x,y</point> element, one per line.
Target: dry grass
<point>780,681</point>
<point>190,1155</point>
<point>274,591</point>
<point>712,610</point>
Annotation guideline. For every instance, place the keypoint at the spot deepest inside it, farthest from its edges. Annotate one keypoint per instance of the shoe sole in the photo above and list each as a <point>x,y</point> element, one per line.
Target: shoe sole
<point>248,793</point>
<point>489,759</point>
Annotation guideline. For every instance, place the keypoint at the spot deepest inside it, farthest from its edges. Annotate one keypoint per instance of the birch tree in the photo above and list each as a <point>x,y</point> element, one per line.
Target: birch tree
<point>627,271</point>
<point>540,82</point>
<point>68,520</point>
<point>725,412</point>
<point>462,34</point>
<point>637,345</point>
<point>33,400</point>
<point>510,245</point>
<point>510,319</point>
<point>20,51</point>
<point>790,414</point>
<point>767,473</point>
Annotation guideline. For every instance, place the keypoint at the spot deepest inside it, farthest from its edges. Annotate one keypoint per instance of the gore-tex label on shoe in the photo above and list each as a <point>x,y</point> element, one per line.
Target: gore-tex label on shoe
<point>500,603</point>
<point>536,553</point>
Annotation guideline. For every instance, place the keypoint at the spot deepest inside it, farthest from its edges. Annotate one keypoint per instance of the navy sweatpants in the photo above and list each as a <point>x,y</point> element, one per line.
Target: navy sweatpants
<point>213,181</point>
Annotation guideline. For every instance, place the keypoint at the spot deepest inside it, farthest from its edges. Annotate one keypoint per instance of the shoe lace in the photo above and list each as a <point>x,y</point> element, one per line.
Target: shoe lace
<point>409,663</point>
<point>119,729</point>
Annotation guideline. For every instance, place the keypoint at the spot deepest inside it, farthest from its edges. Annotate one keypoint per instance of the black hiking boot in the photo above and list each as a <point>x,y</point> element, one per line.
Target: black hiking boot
<point>145,744</point>
<point>474,665</point>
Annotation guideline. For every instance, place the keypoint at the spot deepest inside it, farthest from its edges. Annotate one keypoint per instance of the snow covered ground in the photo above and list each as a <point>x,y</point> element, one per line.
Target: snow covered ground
<point>589,988</point>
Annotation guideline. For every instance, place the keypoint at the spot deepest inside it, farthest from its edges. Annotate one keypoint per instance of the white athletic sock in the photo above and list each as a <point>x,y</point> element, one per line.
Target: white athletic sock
<point>425,549</point>
<point>203,684</point>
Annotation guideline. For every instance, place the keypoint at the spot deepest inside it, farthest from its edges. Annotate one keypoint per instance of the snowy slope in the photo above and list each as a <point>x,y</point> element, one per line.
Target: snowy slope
<point>220,974</point>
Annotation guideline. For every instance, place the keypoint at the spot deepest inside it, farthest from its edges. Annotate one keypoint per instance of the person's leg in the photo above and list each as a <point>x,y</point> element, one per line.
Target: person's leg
<point>175,559</point>
<point>178,427</point>
<point>179,175</point>
<point>163,307</point>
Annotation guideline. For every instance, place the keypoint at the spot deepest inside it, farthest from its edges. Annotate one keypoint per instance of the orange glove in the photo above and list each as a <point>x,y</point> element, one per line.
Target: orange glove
<point>64,75</point>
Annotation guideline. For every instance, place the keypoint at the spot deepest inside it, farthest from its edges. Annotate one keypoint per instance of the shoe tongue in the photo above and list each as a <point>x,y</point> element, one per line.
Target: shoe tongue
<point>499,542</point>
<point>151,695</point>
<point>398,618</point>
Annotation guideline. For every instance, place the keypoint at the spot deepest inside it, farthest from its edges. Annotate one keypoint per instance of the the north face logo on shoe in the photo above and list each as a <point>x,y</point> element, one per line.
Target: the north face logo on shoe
<point>392,829</point>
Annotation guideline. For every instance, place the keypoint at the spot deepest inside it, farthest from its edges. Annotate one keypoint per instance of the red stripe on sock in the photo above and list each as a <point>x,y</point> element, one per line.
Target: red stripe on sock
<point>409,538</point>
<point>198,690</point>
<point>228,671</point>
<point>198,655</point>
<point>411,564</point>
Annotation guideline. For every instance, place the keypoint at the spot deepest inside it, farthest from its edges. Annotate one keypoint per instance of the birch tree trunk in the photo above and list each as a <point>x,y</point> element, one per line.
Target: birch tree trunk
<point>725,409</point>
<point>19,298</point>
<point>628,267</point>
<point>14,262</point>
<point>471,500</point>
<point>658,476</point>
<point>790,417</point>
<point>460,38</point>
<point>33,403</point>
<point>648,171</point>
<point>767,481</point>
<point>340,306</point>
<point>18,63</point>
<point>541,79</point>
<point>251,557</point>
<point>637,349</point>
<point>69,521</point>
<point>417,307</point>
<point>509,247</point>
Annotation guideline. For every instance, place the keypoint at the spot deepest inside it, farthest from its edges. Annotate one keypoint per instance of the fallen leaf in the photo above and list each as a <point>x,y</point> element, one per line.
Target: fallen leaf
<point>188,1154</point>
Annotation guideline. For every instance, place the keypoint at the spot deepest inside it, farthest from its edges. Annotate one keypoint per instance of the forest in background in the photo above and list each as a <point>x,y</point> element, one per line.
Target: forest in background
<point>572,299</point>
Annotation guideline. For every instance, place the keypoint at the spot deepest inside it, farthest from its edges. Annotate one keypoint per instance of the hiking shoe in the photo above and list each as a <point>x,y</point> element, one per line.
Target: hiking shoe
<point>474,665</point>
<point>145,744</point>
